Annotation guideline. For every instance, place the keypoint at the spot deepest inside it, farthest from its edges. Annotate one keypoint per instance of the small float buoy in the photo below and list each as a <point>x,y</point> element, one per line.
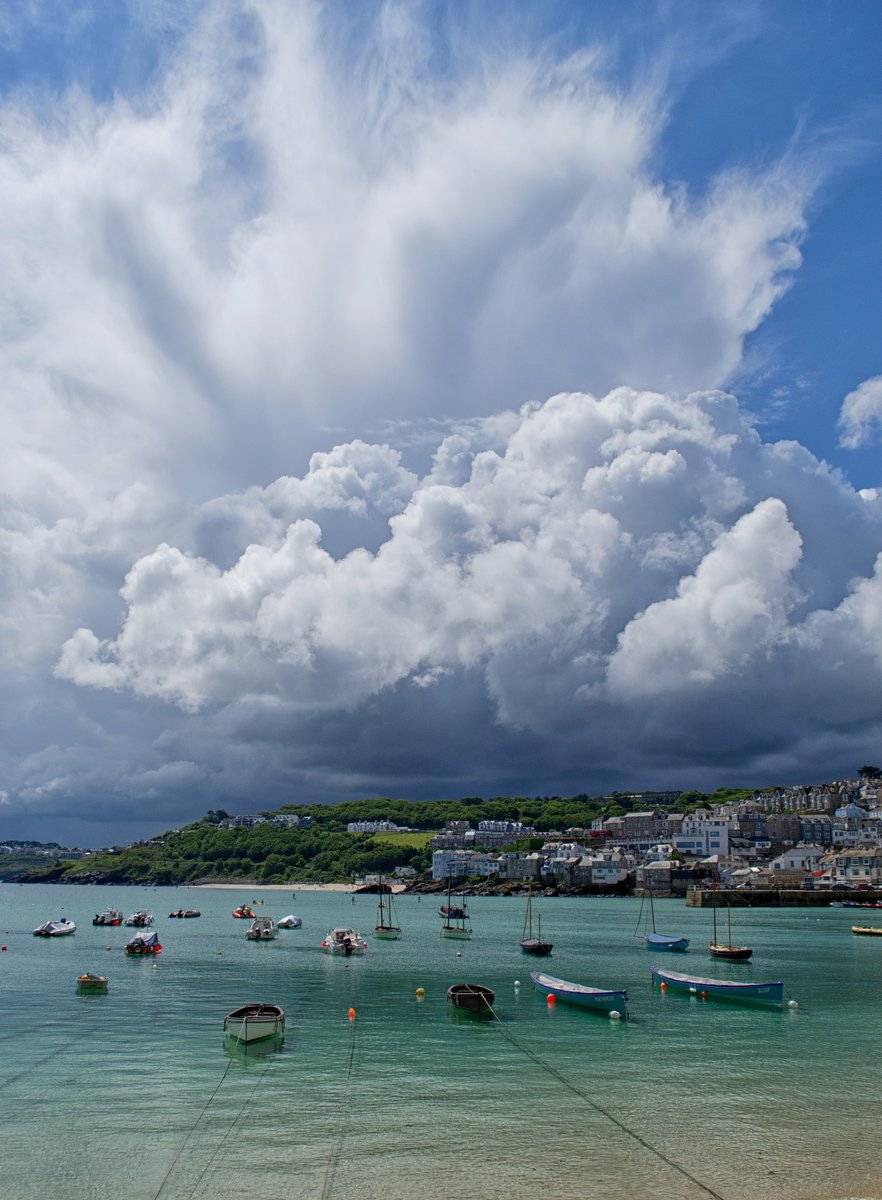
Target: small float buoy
<point>692,991</point>
<point>3,947</point>
<point>352,1014</point>
<point>108,947</point>
<point>664,986</point>
<point>551,999</point>
<point>459,954</point>
<point>517,983</point>
<point>615,1015</point>
<point>419,993</point>
<point>703,995</point>
<point>790,1003</point>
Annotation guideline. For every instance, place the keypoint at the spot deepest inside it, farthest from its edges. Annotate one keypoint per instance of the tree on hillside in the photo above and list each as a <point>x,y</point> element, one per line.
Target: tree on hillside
<point>870,772</point>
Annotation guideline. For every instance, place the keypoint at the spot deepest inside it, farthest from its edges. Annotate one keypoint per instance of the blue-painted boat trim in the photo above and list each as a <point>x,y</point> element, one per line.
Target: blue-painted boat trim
<point>666,941</point>
<point>722,989</point>
<point>580,994</point>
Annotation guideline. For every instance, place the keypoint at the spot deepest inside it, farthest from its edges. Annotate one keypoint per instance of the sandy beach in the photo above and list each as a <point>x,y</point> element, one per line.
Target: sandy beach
<point>286,887</point>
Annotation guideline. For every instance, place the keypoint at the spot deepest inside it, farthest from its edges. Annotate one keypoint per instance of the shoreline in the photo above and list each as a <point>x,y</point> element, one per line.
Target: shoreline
<point>397,888</point>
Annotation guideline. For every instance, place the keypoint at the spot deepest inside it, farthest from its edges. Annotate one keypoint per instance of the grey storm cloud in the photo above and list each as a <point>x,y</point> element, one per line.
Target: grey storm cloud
<point>534,576</point>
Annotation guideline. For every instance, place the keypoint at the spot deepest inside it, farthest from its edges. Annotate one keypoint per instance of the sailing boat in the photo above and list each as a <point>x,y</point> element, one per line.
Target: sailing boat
<point>530,944</point>
<point>384,927</point>
<point>455,917</point>
<point>726,949</point>
<point>662,941</point>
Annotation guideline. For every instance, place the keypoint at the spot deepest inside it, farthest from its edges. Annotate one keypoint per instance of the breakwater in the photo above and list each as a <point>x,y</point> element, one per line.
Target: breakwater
<point>777,897</point>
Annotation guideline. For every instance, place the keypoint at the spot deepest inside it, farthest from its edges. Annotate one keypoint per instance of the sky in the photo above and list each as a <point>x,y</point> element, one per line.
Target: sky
<point>433,400</point>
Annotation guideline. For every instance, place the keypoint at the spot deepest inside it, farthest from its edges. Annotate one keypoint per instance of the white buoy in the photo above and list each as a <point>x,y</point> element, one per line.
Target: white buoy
<point>459,954</point>
<point>615,1015</point>
<point>517,983</point>
<point>793,1004</point>
<point>692,991</point>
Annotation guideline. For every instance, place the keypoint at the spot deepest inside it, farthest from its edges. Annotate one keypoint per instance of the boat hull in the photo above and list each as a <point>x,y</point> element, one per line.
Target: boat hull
<point>771,993</point>
<point>731,953</point>
<point>535,947</point>
<point>92,983</point>
<point>389,933</point>
<point>598,999</point>
<point>473,998</point>
<point>254,1028</point>
<point>866,930</point>
<point>452,932</point>
<point>665,941</point>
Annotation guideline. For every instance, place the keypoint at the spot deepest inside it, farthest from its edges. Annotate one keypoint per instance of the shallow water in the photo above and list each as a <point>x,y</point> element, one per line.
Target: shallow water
<point>106,1096</point>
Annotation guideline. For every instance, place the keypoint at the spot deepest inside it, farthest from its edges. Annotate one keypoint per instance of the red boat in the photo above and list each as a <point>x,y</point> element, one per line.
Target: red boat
<point>144,943</point>
<point>244,913</point>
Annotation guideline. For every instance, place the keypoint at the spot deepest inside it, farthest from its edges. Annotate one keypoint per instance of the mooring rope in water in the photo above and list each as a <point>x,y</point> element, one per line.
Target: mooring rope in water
<point>583,1095</point>
<point>231,1127</point>
<point>192,1130</point>
<point>337,1146</point>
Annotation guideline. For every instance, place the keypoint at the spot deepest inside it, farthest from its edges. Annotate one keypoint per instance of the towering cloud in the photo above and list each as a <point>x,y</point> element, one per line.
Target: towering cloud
<point>243,308</point>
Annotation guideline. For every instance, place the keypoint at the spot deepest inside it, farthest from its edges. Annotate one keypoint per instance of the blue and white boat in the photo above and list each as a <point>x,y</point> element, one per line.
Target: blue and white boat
<point>578,993</point>
<point>663,941</point>
<point>721,989</point>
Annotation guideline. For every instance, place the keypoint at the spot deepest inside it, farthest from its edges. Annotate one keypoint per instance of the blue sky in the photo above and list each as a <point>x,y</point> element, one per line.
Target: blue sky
<point>280,282</point>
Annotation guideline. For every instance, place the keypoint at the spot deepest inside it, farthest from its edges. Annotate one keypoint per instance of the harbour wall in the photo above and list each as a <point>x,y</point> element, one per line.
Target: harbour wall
<point>777,897</point>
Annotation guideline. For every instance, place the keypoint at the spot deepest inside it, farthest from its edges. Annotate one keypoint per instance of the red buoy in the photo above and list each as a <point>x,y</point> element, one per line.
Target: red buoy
<point>551,999</point>
<point>352,1014</point>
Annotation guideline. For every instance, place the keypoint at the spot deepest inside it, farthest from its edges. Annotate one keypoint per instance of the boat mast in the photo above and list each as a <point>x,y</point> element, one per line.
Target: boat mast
<point>652,908</point>
<point>729,915</point>
<point>715,922</point>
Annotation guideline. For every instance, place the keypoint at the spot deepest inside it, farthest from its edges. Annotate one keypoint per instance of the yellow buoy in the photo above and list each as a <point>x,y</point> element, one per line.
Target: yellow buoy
<point>419,993</point>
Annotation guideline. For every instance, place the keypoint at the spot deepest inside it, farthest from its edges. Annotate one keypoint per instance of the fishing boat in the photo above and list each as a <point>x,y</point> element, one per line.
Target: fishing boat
<point>289,922</point>
<point>261,929</point>
<point>385,926</point>
<point>603,999</point>
<point>60,928</point>
<point>110,916</point>
<point>726,949</point>
<point>472,997</point>
<point>186,912</point>
<point>92,983</point>
<point>254,1022</point>
<point>720,989</point>
<point>530,944</point>
<point>456,916</point>
<point>244,913</point>
<point>343,941</point>
<point>867,930</point>
<point>140,919</point>
<point>144,943</point>
<point>661,941</point>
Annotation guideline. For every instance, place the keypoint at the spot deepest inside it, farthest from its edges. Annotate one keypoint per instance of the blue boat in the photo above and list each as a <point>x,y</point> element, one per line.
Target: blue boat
<point>665,941</point>
<point>662,941</point>
<point>581,995</point>
<point>721,989</point>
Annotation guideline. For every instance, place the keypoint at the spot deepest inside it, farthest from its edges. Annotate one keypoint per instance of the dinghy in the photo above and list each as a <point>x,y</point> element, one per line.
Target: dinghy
<point>530,944</point>
<point>661,941</point>
<point>186,912</point>
<point>867,930</point>
<point>140,919</point>
<point>603,999</point>
<point>289,922</point>
<point>60,928</point>
<point>472,997</point>
<point>244,913</point>
<point>92,983</point>
<point>720,989</point>
<point>254,1022</point>
<point>261,929</point>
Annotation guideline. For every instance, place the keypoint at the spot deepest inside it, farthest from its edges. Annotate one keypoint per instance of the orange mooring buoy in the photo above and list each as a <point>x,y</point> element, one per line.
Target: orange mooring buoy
<point>352,1014</point>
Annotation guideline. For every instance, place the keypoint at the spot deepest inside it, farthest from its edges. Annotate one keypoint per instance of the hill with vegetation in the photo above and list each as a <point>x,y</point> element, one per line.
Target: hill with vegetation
<point>209,851</point>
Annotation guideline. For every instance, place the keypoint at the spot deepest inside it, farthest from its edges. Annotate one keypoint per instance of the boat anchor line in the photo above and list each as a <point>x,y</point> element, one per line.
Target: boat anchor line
<point>577,1091</point>
<point>235,1121</point>
<point>337,1147</point>
<point>192,1130</point>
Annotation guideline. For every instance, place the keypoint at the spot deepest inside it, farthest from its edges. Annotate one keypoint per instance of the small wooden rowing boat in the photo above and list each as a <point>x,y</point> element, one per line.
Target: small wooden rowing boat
<point>254,1022</point>
<point>92,983</point>
<point>720,989</point>
<point>472,997</point>
<point>603,999</point>
<point>867,930</point>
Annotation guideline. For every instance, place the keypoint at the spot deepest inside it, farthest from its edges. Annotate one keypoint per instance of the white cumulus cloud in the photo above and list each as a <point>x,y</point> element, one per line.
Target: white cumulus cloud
<point>860,418</point>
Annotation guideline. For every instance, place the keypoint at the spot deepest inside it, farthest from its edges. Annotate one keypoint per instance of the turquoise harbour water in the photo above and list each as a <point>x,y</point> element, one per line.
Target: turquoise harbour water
<point>101,1093</point>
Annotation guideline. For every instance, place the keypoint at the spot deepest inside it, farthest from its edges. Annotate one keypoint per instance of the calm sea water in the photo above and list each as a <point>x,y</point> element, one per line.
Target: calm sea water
<point>101,1093</point>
